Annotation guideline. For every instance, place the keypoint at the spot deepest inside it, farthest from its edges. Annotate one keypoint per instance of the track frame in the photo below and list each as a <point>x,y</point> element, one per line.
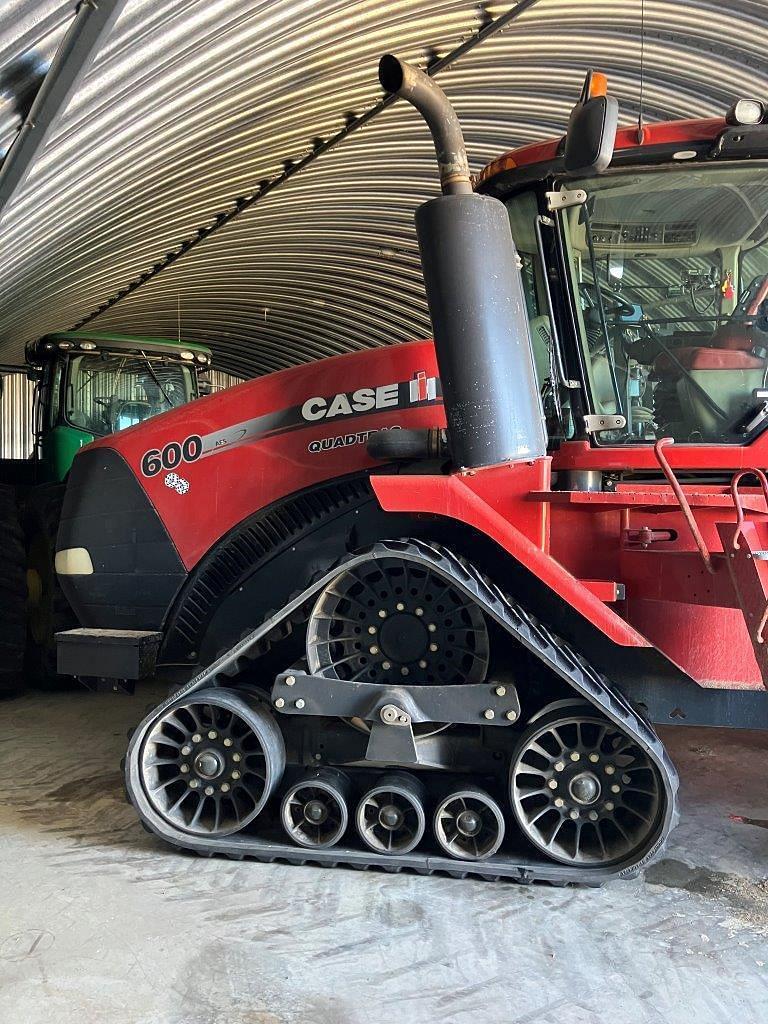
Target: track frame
<point>551,650</point>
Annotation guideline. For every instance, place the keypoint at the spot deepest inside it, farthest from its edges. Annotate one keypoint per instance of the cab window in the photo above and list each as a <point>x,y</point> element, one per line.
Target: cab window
<point>523,211</point>
<point>657,261</point>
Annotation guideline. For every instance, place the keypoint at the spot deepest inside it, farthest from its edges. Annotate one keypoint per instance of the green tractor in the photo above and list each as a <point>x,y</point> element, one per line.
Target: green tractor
<point>85,386</point>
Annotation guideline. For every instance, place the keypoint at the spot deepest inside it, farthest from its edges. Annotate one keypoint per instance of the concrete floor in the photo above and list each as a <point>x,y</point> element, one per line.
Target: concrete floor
<point>100,922</point>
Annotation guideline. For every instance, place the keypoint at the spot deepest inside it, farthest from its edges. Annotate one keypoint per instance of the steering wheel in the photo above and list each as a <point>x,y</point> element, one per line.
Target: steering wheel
<point>616,307</point>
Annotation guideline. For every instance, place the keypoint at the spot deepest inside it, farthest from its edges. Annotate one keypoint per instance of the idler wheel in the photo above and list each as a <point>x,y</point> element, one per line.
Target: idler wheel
<point>209,765</point>
<point>583,791</point>
<point>389,621</point>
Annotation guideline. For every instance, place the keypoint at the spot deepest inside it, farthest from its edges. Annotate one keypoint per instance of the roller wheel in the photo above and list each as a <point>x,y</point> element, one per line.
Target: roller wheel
<point>13,595</point>
<point>314,809</point>
<point>390,816</point>
<point>583,792</point>
<point>209,765</point>
<point>469,825</point>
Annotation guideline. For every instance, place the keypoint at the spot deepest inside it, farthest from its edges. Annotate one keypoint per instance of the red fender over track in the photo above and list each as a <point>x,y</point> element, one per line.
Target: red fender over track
<point>476,500</point>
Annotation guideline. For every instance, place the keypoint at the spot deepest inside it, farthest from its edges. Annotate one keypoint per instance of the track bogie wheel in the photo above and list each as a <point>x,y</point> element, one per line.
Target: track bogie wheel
<point>210,764</point>
<point>469,825</point>
<point>583,791</point>
<point>314,809</point>
<point>390,816</point>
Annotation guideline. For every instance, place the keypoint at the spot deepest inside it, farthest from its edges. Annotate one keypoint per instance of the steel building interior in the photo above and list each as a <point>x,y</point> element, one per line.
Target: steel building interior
<point>196,196</point>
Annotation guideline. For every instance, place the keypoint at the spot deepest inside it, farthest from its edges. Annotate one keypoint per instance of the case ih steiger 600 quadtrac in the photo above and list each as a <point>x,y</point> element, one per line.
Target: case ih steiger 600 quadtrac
<point>443,589</point>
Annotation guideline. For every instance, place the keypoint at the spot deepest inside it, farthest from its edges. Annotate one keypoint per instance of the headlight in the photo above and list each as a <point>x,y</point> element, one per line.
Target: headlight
<point>186,354</point>
<point>89,346</point>
<point>201,358</point>
<point>746,112</point>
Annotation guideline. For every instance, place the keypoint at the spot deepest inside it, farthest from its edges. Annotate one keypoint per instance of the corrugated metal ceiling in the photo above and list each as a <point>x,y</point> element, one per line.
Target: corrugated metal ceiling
<point>191,104</point>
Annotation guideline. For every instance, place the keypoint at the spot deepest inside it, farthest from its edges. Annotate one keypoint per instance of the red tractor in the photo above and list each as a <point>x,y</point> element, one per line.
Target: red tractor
<point>423,603</point>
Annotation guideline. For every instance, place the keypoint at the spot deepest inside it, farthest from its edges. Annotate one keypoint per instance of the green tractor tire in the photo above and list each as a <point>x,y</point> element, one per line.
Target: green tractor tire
<point>48,610</point>
<point>13,595</point>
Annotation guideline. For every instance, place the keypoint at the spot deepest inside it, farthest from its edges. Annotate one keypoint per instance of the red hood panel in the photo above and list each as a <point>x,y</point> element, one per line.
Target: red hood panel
<point>208,465</point>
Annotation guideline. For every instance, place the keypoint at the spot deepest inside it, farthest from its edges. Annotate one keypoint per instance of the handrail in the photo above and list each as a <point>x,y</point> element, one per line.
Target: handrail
<point>739,531</point>
<point>685,508</point>
<point>737,500</point>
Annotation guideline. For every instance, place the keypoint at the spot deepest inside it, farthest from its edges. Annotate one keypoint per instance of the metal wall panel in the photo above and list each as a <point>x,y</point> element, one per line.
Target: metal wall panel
<point>16,434</point>
<point>192,103</point>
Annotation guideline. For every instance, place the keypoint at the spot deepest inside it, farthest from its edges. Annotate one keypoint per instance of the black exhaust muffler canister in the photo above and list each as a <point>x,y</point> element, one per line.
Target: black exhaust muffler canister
<point>475,296</point>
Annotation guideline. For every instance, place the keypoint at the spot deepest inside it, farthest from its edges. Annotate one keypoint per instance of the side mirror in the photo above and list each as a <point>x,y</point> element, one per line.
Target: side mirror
<point>592,127</point>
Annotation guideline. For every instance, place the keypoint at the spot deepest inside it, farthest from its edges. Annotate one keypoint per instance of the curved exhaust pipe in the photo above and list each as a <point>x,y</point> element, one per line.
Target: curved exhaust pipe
<point>411,84</point>
<point>475,295</point>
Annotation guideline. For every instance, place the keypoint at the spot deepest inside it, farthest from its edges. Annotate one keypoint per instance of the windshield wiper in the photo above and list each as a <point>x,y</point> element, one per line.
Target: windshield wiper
<point>156,379</point>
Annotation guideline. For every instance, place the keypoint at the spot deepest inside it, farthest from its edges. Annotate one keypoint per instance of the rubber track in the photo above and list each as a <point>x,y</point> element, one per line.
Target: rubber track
<point>550,649</point>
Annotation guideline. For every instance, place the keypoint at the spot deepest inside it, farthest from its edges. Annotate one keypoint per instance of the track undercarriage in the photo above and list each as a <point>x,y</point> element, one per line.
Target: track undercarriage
<point>403,712</point>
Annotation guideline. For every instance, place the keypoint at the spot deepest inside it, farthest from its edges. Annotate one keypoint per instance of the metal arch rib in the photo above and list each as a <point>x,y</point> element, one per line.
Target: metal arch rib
<point>91,24</point>
<point>551,650</point>
<point>294,167</point>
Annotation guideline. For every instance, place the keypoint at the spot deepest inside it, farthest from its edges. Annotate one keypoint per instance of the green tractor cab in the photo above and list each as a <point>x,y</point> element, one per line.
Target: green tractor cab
<point>86,385</point>
<point>90,385</point>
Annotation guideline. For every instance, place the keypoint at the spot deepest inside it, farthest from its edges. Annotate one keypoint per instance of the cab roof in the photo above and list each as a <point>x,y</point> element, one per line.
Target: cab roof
<point>659,143</point>
<point>119,341</point>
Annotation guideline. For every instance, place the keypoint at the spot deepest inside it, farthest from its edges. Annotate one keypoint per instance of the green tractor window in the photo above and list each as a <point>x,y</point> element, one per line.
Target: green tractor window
<point>109,392</point>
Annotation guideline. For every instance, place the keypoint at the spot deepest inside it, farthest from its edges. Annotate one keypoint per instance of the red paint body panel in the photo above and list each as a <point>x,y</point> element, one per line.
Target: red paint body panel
<point>231,483</point>
<point>664,133</point>
<point>494,501</point>
<point>581,455</point>
<point>671,601</point>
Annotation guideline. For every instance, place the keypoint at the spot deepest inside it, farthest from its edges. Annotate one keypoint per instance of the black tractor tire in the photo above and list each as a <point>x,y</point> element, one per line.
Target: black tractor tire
<point>13,595</point>
<point>48,610</point>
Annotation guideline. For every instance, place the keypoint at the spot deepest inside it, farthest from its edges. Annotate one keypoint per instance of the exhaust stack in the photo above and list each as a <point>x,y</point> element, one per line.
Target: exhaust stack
<point>431,102</point>
<point>475,296</point>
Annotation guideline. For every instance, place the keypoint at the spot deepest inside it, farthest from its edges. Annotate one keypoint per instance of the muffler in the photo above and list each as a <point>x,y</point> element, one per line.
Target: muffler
<point>475,296</point>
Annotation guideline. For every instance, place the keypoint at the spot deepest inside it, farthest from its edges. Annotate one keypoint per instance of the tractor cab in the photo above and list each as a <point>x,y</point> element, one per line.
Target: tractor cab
<point>90,385</point>
<point>646,277</point>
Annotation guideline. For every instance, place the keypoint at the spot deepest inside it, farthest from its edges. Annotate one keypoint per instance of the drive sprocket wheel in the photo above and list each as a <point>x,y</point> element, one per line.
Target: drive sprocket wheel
<point>209,764</point>
<point>389,621</point>
<point>583,791</point>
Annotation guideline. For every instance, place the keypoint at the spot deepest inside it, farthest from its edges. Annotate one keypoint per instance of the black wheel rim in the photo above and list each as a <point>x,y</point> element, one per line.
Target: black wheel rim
<point>469,825</point>
<point>314,814</point>
<point>391,622</point>
<point>209,765</point>
<point>584,792</point>
<point>390,820</point>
